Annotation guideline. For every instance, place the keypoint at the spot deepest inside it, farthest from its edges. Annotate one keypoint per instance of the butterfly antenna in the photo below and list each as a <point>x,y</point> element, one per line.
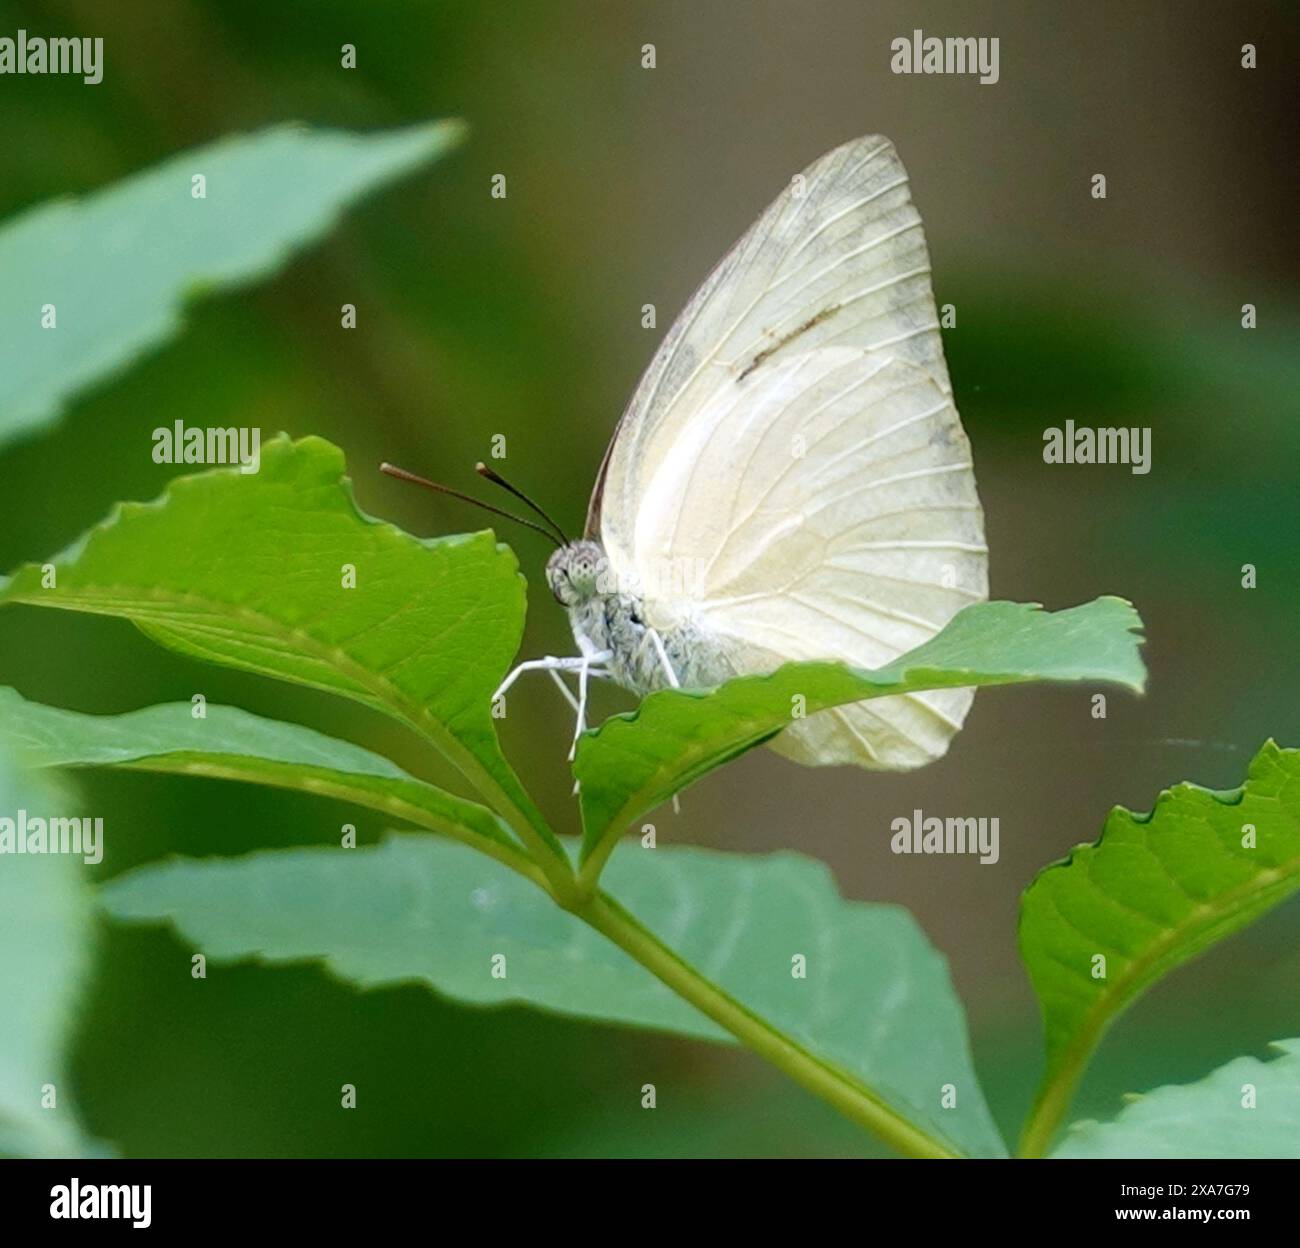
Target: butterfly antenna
<point>497,479</point>
<point>402,475</point>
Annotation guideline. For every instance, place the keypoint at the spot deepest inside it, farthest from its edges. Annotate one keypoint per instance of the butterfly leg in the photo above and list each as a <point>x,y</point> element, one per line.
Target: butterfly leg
<point>563,688</point>
<point>604,674</point>
<point>658,644</point>
<point>580,722</point>
<point>584,672</point>
<point>587,664</point>
<point>548,663</point>
<point>666,664</point>
<point>601,673</point>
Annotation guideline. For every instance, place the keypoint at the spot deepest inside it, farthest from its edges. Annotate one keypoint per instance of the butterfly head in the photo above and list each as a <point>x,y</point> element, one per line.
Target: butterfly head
<point>575,571</point>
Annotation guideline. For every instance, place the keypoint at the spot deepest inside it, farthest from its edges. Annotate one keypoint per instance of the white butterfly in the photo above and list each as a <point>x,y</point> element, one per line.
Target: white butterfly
<point>791,479</point>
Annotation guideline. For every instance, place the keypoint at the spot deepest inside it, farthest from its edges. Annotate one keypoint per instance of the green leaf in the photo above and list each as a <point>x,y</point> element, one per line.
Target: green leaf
<point>235,745</point>
<point>118,265</point>
<point>45,954</point>
<point>877,1001</point>
<point>1155,890</point>
<point>248,570</point>
<point>633,762</point>
<point>1206,1119</point>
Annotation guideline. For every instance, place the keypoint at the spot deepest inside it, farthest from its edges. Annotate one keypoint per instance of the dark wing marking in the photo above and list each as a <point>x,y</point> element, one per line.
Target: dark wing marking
<point>767,352</point>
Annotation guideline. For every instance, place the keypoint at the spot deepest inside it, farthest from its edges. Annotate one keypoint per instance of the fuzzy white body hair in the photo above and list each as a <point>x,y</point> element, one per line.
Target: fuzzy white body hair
<point>615,622</point>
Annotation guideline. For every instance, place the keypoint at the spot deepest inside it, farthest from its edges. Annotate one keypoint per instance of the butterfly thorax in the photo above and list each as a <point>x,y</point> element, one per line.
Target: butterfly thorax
<point>608,617</point>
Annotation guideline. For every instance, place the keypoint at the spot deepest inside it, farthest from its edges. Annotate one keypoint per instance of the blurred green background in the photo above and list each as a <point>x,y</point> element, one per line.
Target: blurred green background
<point>523,317</point>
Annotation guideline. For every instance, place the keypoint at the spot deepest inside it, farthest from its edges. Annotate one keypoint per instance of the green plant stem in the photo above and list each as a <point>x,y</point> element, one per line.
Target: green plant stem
<point>824,1080</point>
<point>508,855</point>
<point>552,863</point>
<point>527,825</point>
<point>1049,1109</point>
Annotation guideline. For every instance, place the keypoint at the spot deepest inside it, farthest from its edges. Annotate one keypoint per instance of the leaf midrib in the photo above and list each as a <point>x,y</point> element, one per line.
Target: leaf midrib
<point>1142,970</point>
<point>381,693</point>
<point>189,762</point>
